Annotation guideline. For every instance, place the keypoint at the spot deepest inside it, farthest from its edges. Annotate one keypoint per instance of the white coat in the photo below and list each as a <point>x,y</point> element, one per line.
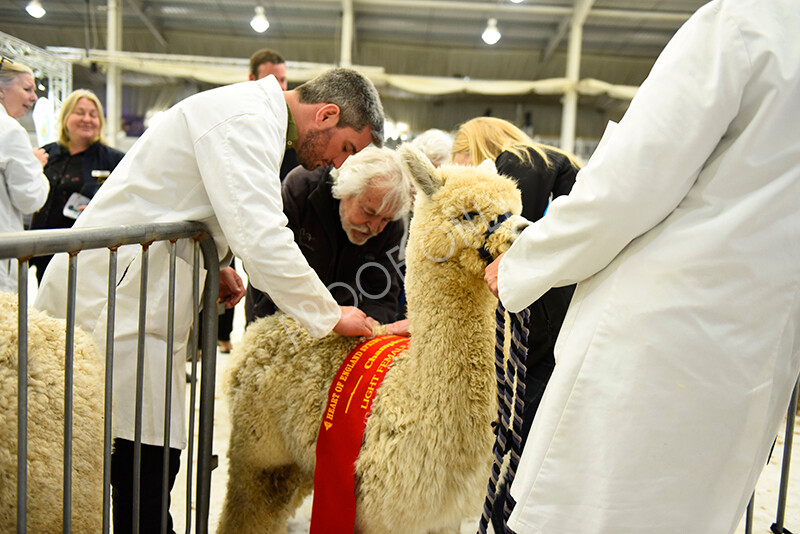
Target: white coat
<point>212,158</point>
<point>677,357</point>
<point>24,187</point>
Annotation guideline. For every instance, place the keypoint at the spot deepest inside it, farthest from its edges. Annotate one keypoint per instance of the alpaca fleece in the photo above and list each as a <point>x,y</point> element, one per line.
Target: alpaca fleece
<point>46,342</point>
<point>426,454</point>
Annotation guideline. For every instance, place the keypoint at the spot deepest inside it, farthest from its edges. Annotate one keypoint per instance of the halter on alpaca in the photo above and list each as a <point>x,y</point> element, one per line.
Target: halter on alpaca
<point>483,251</point>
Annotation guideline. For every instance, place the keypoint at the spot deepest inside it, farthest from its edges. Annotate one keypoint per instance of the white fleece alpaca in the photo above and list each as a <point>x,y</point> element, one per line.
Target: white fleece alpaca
<point>426,454</point>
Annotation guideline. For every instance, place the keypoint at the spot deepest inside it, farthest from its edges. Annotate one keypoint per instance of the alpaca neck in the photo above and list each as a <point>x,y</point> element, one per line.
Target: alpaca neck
<point>451,313</point>
<point>446,296</point>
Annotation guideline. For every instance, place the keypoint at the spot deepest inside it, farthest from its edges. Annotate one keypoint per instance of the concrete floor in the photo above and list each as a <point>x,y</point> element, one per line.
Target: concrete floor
<point>765,507</point>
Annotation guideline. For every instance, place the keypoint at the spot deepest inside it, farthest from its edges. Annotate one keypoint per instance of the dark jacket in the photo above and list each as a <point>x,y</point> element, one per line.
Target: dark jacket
<point>538,183</point>
<point>356,275</point>
<point>98,157</point>
<point>70,174</point>
<point>288,163</point>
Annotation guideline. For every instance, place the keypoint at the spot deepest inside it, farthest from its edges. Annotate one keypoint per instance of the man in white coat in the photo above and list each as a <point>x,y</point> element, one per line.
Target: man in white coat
<point>213,158</point>
<point>679,352</point>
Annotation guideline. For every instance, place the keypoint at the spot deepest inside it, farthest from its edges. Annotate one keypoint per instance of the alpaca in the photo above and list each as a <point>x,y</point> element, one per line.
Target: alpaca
<point>46,342</point>
<point>426,452</point>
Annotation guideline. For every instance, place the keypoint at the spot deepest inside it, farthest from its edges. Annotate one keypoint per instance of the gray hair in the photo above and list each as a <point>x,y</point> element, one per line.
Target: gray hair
<point>435,144</point>
<point>356,96</point>
<point>379,168</point>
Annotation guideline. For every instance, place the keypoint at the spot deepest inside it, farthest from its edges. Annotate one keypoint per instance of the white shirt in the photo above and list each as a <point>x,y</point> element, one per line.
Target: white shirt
<point>24,188</point>
<point>678,354</point>
<point>212,158</point>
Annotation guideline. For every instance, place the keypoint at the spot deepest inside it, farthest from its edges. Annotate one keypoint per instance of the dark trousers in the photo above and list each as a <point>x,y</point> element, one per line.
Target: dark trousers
<point>150,486</point>
<point>225,321</point>
<point>225,325</point>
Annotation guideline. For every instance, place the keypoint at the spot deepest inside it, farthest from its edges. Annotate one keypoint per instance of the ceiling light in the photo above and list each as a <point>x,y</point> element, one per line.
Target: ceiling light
<point>35,9</point>
<point>491,34</point>
<point>517,1</point>
<point>174,10</point>
<point>260,22</point>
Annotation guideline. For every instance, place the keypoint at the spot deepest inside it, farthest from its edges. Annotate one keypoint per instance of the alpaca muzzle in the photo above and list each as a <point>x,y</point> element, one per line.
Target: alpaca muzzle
<point>495,225</point>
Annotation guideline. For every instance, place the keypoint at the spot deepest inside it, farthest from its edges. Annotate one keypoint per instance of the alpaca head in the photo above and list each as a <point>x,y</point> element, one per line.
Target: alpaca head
<point>466,216</point>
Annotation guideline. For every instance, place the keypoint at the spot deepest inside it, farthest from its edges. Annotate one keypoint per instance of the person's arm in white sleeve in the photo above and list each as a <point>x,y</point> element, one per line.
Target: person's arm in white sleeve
<point>240,174</point>
<point>644,168</point>
<point>26,184</point>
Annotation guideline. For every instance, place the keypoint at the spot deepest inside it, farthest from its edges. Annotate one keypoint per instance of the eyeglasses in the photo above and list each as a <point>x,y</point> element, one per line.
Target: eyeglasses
<point>3,59</point>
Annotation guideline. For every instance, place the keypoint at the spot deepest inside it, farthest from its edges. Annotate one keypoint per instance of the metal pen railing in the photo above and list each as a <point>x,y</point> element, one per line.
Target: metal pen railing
<point>788,441</point>
<point>25,245</point>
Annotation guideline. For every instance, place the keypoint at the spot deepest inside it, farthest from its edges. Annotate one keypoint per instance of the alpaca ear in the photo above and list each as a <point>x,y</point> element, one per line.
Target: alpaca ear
<point>488,165</point>
<point>422,171</point>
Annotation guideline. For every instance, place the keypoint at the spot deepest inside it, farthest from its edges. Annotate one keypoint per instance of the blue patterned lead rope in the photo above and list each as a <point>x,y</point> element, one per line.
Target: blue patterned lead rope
<point>502,414</point>
<point>508,431</point>
<point>518,357</point>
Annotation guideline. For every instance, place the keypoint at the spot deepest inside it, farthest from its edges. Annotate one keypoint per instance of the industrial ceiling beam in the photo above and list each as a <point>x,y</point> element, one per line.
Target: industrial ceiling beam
<point>569,115</point>
<point>634,14</point>
<point>149,24</point>
<point>555,40</point>
<point>346,57</point>
<point>407,5</point>
<point>114,73</point>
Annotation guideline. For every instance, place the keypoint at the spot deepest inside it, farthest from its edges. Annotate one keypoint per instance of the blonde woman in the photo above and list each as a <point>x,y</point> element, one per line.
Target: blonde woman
<point>24,187</point>
<point>542,173</point>
<point>78,164</point>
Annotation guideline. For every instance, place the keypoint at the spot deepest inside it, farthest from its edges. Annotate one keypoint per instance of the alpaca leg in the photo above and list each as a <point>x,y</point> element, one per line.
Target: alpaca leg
<point>261,500</point>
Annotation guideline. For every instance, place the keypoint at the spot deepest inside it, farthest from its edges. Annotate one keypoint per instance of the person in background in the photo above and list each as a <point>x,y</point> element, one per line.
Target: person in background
<point>543,173</point>
<point>24,186</point>
<point>436,144</point>
<point>346,223</point>
<point>214,158</point>
<point>263,63</point>
<point>78,164</point>
<point>681,347</point>
<point>267,62</point>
